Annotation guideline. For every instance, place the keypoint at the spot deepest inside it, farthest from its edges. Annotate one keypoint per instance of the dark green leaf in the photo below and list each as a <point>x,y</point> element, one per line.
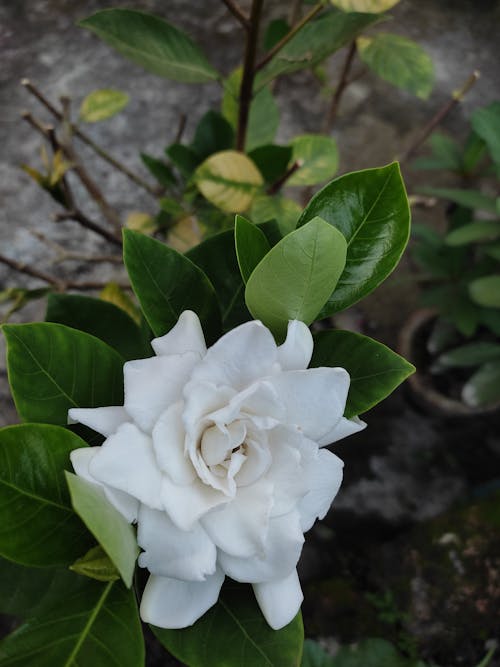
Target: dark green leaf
<point>184,158</point>
<point>375,369</point>
<point>159,170</point>
<point>107,525</point>
<point>286,212</point>
<point>371,210</point>
<point>167,283</point>
<point>251,245</point>
<point>91,625</point>
<point>373,653</point>
<point>485,291</point>
<point>471,354</point>
<point>483,388</point>
<point>446,154</point>
<point>96,564</point>
<point>295,278</point>
<point>317,156</point>
<point>315,656</point>
<point>493,250</point>
<point>213,134</point>
<point>272,161</point>
<point>248,640</point>
<point>275,31</point>
<point>153,43</point>
<point>486,124</point>
<point>483,230</point>
<point>37,525</point>
<point>468,198</point>
<point>102,319</point>
<point>474,150</point>
<point>53,368</point>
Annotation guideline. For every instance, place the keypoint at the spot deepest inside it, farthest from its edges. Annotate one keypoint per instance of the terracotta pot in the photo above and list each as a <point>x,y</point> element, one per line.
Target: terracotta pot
<point>412,342</point>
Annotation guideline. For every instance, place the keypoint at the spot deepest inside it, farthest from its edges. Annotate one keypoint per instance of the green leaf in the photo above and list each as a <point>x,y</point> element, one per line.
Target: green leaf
<point>159,170</point>
<point>248,639</point>
<point>96,564</point>
<point>296,277</point>
<point>446,154</point>
<point>184,158</point>
<point>275,31</point>
<point>483,388</point>
<point>102,104</point>
<point>373,653</point>
<point>375,369</point>
<point>153,43</point>
<point>314,42</point>
<point>271,160</point>
<point>115,535</point>
<point>468,198</point>
<point>91,625</point>
<point>213,134</point>
<point>485,291</point>
<point>285,211</point>
<point>371,210</point>
<point>318,157</point>
<point>53,368</point>
<point>399,61</point>
<point>315,656</point>
<point>486,124</point>
<point>483,230</point>
<point>229,180</point>
<point>372,6</point>
<point>471,354</point>
<point>102,319</point>
<point>167,283</point>
<point>251,245</point>
<point>37,525</point>
<point>474,150</point>
<point>493,250</point>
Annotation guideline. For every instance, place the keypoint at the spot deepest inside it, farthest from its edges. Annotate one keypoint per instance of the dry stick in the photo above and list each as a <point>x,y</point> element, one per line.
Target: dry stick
<point>456,97</point>
<point>249,70</point>
<point>284,40</point>
<point>278,184</point>
<point>87,140</point>
<point>238,13</point>
<point>64,255</point>
<point>339,90</point>
<point>294,13</point>
<point>181,127</point>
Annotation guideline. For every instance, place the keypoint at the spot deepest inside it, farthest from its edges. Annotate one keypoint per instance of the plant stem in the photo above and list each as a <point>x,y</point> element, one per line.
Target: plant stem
<point>64,255</point>
<point>284,40</point>
<point>280,182</point>
<point>238,13</point>
<point>87,140</point>
<point>84,221</point>
<point>339,90</point>
<point>246,89</point>
<point>456,97</point>
<point>294,13</point>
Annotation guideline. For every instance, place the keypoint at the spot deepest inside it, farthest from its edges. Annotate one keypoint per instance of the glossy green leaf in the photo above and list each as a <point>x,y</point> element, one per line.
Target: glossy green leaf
<point>107,525</point>
<point>184,158</point>
<point>213,134</point>
<point>316,41</point>
<point>483,387</point>
<point>275,31</point>
<point>486,124</point>
<point>271,160</point>
<point>286,212</point>
<point>96,564</point>
<point>248,641</point>
<point>485,291</point>
<point>317,156</point>
<point>371,210</point>
<point>102,319</point>
<point>399,61</point>
<point>251,245</point>
<point>167,283</point>
<point>102,104</point>
<point>468,198</point>
<point>37,525</point>
<point>470,354</point>
<point>91,625</point>
<point>294,279</point>
<point>375,369</point>
<point>153,43</point>
<point>53,368</point>
<point>483,230</point>
<point>159,170</point>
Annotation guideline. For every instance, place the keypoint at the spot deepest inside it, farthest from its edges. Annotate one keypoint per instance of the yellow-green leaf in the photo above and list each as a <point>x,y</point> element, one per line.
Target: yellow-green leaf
<point>113,293</point>
<point>102,104</point>
<point>141,222</point>
<point>96,564</point>
<point>318,159</point>
<point>368,6</point>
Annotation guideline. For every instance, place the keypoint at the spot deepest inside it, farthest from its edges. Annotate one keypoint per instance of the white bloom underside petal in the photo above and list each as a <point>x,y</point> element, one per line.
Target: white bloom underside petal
<point>240,357</point>
<point>151,385</point>
<point>170,603</point>
<point>186,336</point>
<point>123,502</point>
<point>168,443</point>
<point>185,504</point>
<point>279,600</point>
<point>296,352</point>
<point>281,553</point>
<point>240,527</point>
<point>343,429</point>
<point>324,475</point>
<point>314,399</point>
<point>171,552</point>
<point>126,462</point>
<point>103,420</point>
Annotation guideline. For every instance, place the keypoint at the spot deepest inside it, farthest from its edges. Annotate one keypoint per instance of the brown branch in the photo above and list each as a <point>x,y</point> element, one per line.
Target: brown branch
<point>284,40</point>
<point>238,13</point>
<point>87,140</point>
<point>181,127</point>
<point>84,221</point>
<point>63,254</point>
<point>456,97</point>
<point>339,90</point>
<point>280,182</point>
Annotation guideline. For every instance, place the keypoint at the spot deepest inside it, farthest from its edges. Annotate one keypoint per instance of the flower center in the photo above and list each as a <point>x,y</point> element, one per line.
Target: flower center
<point>223,448</point>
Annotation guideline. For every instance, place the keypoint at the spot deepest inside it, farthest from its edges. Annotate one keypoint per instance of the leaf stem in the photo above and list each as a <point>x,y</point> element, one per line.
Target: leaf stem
<point>238,13</point>
<point>331,115</point>
<point>280,182</point>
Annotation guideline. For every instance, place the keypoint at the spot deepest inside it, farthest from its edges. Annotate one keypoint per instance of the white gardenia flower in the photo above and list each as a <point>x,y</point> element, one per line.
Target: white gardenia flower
<point>217,455</point>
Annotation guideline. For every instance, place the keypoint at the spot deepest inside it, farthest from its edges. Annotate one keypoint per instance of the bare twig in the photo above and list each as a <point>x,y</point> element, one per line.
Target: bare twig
<point>284,40</point>
<point>181,127</point>
<point>339,90</point>
<point>87,140</point>
<point>84,221</point>
<point>238,13</point>
<point>278,184</point>
<point>456,97</point>
<point>294,13</point>
<point>63,254</point>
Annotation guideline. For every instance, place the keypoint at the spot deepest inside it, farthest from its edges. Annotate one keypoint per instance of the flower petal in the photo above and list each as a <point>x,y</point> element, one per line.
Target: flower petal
<point>185,336</point>
<point>126,462</point>
<point>342,429</point>
<point>279,600</point>
<point>282,551</point>
<point>170,603</point>
<point>123,502</point>
<point>168,444</point>
<point>187,503</point>
<point>240,528</point>
<point>314,399</point>
<point>243,355</point>
<point>171,552</point>
<point>103,420</point>
<point>324,477</point>
<point>151,385</point>
<point>296,352</point>
<point>286,471</point>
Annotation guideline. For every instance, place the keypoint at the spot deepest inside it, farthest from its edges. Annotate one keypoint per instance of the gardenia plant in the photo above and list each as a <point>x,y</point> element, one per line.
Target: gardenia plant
<point>203,465</point>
